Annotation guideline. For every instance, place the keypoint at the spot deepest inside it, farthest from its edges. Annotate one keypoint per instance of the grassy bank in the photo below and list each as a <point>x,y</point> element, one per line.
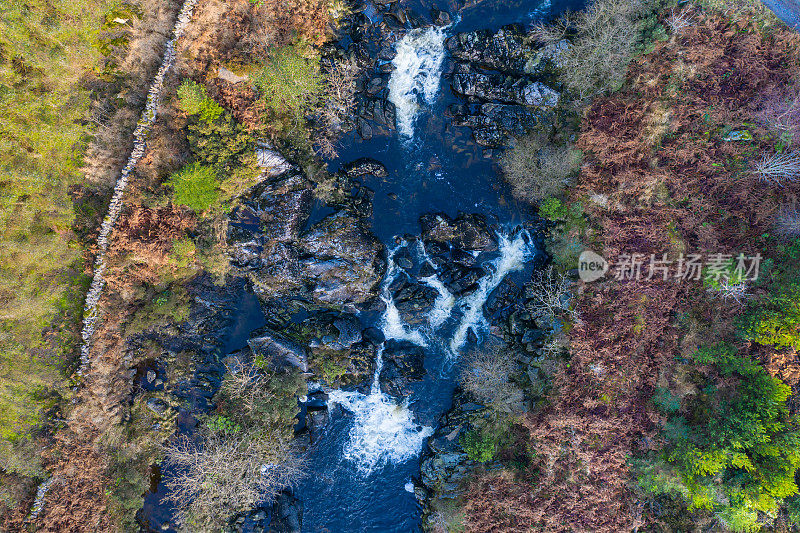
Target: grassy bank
<point>48,56</point>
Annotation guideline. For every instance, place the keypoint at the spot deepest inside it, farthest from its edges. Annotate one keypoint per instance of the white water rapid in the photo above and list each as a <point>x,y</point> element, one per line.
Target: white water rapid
<point>143,127</point>
<point>513,254</point>
<point>384,430</point>
<point>418,62</point>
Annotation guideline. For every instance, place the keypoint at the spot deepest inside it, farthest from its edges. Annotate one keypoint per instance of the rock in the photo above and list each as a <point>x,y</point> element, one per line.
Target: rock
<point>374,336</point>
<point>414,301</point>
<point>440,18</point>
<point>403,365</point>
<point>157,406</point>
<point>531,335</point>
<point>151,376</point>
<point>259,515</point>
<point>346,264</point>
<point>503,50</point>
<point>461,257</point>
<point>466,231</point>
<point>550,57</point>
<point>230,77</point>
<point>316,422</point>
<point>376,85</point>
<point>738,135</point>
<point>364,130</point>
<point>278,351</point>
<point>364,166</point>
<point>286,514</point>
<point>270,160</point>
<point>281,207</point>
<point>494,124</point>
<point>349,329</point>
<point>503,89</point>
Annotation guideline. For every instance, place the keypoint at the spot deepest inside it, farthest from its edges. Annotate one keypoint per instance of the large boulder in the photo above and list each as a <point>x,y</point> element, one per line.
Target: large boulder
<point>365,166</point>
<point>343,260</point>
<point>493,124</point>
<point>414,301</point>
<point>403,365</point>
<point>504,50</point>
<point>278,352</point>
<point>509,90</point>
<point>466,231</point>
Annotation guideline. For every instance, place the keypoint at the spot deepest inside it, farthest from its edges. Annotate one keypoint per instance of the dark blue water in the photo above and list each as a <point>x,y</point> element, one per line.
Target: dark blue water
<point>440,170</point>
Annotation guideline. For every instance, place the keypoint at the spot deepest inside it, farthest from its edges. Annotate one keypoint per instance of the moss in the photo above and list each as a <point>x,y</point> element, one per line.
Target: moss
<point>169,306</point>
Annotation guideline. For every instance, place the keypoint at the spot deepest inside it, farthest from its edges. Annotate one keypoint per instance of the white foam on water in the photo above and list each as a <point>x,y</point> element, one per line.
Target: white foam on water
<point>409,486</point>
<point>542,10</point>
<point>392,324</point>
<point>443,306</point>
<point>416,76</point>
<point>383,431</point>
<point>513,254</point>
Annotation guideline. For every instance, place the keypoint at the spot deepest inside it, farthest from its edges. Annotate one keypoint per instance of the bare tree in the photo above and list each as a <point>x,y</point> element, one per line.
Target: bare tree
<point>597,62</point>
<point>549,296</point>
<point>679,20</point>
<point>537,169</point>
<point>553,32</point>
<point>227,475</point>
<point>336,104</point>
<point>777,169</point>
<point>487,376</point>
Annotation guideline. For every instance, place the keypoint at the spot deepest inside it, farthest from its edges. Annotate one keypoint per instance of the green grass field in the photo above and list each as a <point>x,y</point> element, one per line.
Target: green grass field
<point>47,51</point>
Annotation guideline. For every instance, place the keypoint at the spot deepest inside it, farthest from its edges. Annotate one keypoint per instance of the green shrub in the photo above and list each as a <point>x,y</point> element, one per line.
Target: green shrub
<point>738,449</point>
<point>774,319</point>
<point>291,81</point>
<point>195,101</point>
<point>480,446</point>
<point>195,186</point>
<point>553,209</point>
<point>774,322</point>
<point>713,279</point>
<point>223,143</point>
<point>666,401</point>
<point>222,424</point>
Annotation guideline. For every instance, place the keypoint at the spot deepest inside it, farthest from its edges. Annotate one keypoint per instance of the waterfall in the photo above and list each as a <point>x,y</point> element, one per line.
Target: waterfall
<point>418,62</point>
<point>384,430</point>
<point>513,254</point>
<point>143,127</point>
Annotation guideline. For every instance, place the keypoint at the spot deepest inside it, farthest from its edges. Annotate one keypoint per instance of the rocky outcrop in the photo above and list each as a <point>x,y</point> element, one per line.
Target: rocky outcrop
<point>466,231</point>
<point>403,365</point>
<point>506,78</point>
<point>336,261</point>
<point>278,352</point>
<point>498,88</point>
<point>504,50</point>
<point>445,468</point>
<point>364,166</point>
<point>493,123</point>
<point>344,263</point>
